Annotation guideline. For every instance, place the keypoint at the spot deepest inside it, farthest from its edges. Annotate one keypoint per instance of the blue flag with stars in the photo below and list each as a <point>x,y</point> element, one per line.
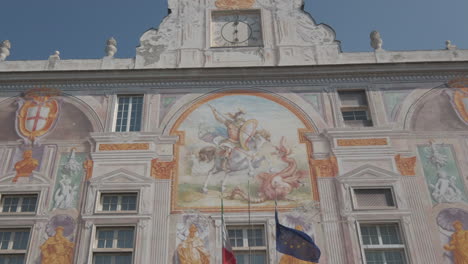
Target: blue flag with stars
<point>295,243</point>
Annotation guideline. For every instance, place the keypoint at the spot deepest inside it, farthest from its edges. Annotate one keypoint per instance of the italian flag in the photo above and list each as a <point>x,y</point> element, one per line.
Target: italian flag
<point>228,255</point>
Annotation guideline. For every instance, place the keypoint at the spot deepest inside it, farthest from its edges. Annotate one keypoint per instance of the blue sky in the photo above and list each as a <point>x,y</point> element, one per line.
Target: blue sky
<point>79,29</point>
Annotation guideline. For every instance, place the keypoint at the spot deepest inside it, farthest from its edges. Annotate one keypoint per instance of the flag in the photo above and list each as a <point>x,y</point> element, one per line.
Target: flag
<point>295,243</point>
<point>228,254</point>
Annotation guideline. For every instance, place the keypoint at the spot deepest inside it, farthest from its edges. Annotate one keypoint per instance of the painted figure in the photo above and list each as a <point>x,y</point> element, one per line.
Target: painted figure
<point>276,186</point>
<point>287,259</point>
<point>66,191</point>
<point>237,151</point>
<point>445,189</point>
<point>57,249</point>
<point>64,196</point>
<point>459,244</point>
<point>192,249</point>
<point>25,167</point>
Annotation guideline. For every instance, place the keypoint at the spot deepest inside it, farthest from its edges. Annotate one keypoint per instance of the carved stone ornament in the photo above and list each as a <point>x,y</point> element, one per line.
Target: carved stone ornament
<point>88,166</point>
<point>234,4</point>
<point>161,169</point>
<point>111,47</point>
<point>37,113</point>
<point>362,142</point>
<point>5,47</point>
<point>325,168</point>
<point>376,40</point>
<point>406,166</point>
<point>124,146</point>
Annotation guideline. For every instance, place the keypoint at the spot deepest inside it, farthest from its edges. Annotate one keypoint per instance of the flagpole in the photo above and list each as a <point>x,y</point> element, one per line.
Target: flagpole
<point>222,226</point>
<point>250,223</point>
<point>276,211</point>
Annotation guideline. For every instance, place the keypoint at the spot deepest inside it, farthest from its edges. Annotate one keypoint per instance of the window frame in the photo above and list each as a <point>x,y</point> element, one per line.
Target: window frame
<point>348,108</point>
<point>130,110</point>
<point>356,206</point>
<point>245,228</point>
<point>10,251</point>
<point>114,250</point>
<point>382,247</point>
<point>120,194</point>
<point>20,203</point>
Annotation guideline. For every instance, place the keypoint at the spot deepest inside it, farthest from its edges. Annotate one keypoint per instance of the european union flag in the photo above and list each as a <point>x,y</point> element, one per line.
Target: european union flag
<point>295,243</point>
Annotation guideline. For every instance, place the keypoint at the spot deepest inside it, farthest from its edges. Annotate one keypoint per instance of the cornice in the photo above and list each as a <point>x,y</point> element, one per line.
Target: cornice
<point>99,81</point>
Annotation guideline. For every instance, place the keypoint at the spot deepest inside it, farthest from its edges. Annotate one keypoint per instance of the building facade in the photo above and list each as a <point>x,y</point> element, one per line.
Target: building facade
<point>243,104</point>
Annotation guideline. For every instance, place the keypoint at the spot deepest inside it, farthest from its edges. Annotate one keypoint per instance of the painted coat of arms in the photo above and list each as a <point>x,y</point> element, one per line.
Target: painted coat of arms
<point>459,97</point>
<point>37,113</point>
<point>246,148</point>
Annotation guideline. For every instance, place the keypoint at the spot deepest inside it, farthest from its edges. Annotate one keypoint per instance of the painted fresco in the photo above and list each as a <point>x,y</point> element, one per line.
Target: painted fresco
<point>315,100</point>
<point>442,174</point>
<point>194,242</point>
<point>247,148</point>
<point>453,227</point>
<point>393,101</point>
<point>58,247</point>
<point>69,177</point>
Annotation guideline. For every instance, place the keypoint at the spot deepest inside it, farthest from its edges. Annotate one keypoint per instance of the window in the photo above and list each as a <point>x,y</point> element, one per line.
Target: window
<point>354,108</point>
<point>19,203</point>
<point>113,245</point>
<point>248,244</point>
<point>382,244</point>
<point>375,198</point>
<point>129,112</point>
<point>118,202</point>
<point>13,245</point>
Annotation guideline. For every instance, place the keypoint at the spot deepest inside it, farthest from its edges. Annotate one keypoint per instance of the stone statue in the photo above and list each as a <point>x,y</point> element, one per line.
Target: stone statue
<point>376,41</point>
<point>459,244</point>
<point>55,56</point>
<point>192,249</point>
<point>287,259</point>
<point>57,249</point>
<point>25,167</point>
<point>5,47</point>
<point>449,46</point>
<point>111,47</point>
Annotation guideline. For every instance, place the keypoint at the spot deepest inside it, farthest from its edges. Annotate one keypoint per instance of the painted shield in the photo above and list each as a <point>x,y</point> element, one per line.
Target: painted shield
<point>460,97</point>
<point>246,132</point>
<point>36,117</point>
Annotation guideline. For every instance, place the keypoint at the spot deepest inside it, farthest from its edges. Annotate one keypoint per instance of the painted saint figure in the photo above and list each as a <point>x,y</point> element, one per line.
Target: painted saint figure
<point>192,249</point>
<point>57,249</point>
<point>25,167</point>
<point>459,244</point>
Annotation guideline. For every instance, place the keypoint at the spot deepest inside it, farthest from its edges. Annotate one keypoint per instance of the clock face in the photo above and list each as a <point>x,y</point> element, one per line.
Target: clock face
<point>236,29</point>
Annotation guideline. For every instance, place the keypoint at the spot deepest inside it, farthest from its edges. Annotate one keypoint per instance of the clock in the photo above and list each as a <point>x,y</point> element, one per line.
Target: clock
<point>236,29</point>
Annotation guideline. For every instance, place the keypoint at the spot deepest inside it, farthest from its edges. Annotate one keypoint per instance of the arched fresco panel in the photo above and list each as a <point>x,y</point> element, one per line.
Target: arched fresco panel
<point>245,146</point>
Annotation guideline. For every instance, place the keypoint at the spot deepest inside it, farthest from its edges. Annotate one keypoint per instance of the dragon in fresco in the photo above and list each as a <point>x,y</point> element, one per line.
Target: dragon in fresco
<point>276,185</point>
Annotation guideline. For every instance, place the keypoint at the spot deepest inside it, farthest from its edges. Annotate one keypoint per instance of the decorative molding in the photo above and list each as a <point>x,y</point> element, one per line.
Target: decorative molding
<point>362,142</point>
<point>162,170</point>
<point>124,146</point>
<point>234,4</point>
<point>324,168</point>
<point>406,166</point>
<point>104,83</point>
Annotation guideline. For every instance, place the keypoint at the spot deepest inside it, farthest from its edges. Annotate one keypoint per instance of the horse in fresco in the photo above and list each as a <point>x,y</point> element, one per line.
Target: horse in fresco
<point>235,150</point>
